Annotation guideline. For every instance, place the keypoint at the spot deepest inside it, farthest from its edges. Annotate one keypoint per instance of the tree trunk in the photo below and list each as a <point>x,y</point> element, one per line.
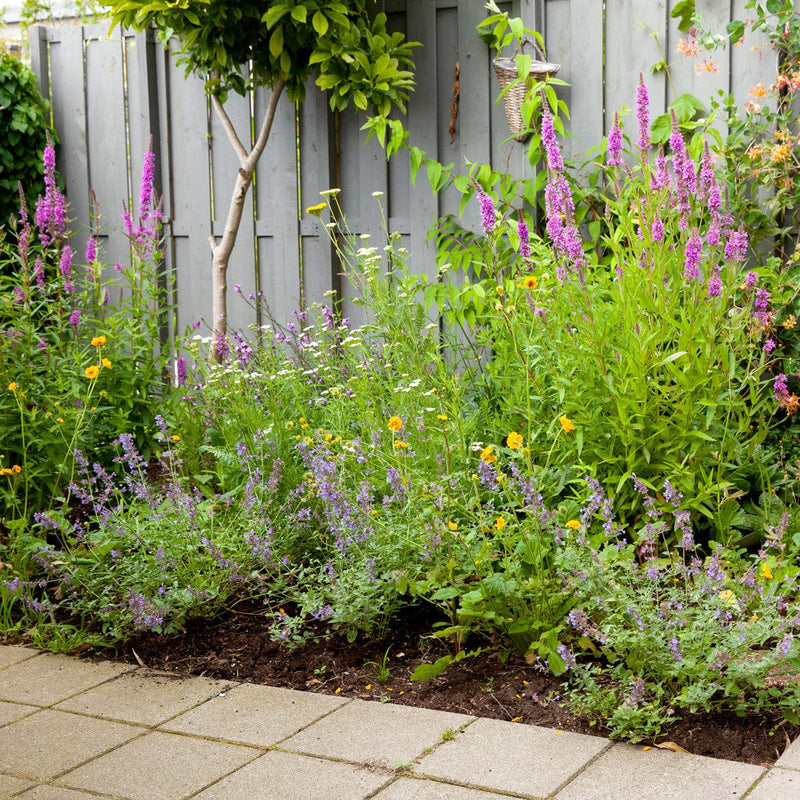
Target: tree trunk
<point>221,251</point>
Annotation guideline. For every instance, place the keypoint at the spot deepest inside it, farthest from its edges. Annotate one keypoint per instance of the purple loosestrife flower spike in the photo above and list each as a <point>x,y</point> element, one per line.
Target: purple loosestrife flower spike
<point>51,210</point>
<point>614,152</point>
<point>487,212</point>
<point>750,281</point>
<point>769,346</point>
<point>694,247</point>
<point>551,148</point>
<point>715,284</point>
<point>780,386</point>
<point>643,115</point>
<point>524,237</point>
<point>736,246</point>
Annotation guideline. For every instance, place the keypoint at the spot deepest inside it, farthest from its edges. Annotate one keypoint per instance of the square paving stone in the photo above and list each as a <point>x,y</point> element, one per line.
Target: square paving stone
<point>49,742</point>
<point>148,698</point>
<point>293,777</point>
<point>12,711</point>
<point>159,766</point>
<point>790,758</point>
<point>366,732</point>
<point>506,757</point>
<point>48,678</point>
<point>779,784</point>
<point>13,655</point>
<point>259,715</point>
<point>9,786</point>
<point>56,793</point>
<point>411,789</point>
<point>626,772</point>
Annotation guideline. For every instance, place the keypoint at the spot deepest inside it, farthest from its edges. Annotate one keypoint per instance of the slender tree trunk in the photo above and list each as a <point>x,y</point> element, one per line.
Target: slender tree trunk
<point>221,250</point>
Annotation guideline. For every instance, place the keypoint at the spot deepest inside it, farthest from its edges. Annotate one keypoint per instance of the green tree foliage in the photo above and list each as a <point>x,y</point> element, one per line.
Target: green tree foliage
<point>24,120</point>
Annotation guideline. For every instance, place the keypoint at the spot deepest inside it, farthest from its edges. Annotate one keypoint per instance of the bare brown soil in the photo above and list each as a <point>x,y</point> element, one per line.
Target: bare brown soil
<point>238,647</point>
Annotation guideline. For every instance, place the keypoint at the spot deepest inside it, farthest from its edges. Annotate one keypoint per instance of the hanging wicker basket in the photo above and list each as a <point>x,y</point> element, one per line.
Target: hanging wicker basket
<point>506,71</point>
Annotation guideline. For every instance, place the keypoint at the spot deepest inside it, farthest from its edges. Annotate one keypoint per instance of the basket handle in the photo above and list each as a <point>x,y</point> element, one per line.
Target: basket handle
<point>530,40</point>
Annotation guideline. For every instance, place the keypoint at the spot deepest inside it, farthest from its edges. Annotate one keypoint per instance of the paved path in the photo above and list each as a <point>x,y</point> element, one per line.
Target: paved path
<point>74,730</point>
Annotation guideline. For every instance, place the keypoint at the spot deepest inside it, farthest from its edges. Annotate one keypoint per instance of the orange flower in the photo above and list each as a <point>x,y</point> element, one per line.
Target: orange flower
<point>394,424</point>
<point>400,445</point>
<point>567,424</point>
<point>106,363</point>
<point>98,341</point>
<point>92,372</point>
<point>16,468</point>
<point>487,455</point>
<point>514,440</point>
<point>500,523</point>
<point>12,387</point>
<point>574,524</point>
<point>759,90</point>
<point>531,282</point>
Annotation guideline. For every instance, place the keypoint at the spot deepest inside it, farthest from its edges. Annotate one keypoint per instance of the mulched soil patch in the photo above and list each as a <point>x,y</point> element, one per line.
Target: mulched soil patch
<point>237,646</point>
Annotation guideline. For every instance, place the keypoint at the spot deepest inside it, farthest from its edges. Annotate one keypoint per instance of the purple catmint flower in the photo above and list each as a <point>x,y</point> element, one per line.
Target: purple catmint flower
<point>643,115</point>
<point>568,656</point>
<point>487,212</point>
<point>524,237</point>
<point>785,645</point>
<point>636,695</point>
<point>780,386</point>
<point>736,246</point>
<point>614,151</point>
<point>750,281</point>
<point>675,650</point>
<point>694,247</point>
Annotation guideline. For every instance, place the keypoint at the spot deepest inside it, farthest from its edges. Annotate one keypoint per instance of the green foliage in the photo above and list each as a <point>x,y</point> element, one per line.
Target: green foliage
<point>350,54</point>
<point>25,121</point>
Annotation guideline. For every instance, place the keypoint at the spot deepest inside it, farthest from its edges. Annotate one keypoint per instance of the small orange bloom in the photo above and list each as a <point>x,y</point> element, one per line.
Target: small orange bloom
<point>514,440</point>
<point>500,523</point>
<point>395,424</point>
<point>106,363</point>
<point>531,282</point>
<point>92,372</point>
<point>98,341</point>
<point>487,455</point>
<point>567,424</point>
<point>574,524</point>
<point>12,387</point>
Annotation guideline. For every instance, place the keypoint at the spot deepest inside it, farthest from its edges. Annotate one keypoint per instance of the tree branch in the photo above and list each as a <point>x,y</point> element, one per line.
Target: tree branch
<point>266,125</point>
<point>219,109</point>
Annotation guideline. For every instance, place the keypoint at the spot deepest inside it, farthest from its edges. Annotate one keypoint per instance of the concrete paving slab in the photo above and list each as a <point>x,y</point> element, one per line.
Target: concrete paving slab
<point>366,732</point>
<point>44,744</point>
<point>412,789</point>
<point>506,757</point>
<point>12,655</point>
<point>145,697</point>
<point>258,715</point>
<point>56,793</point>
<point>48,678</point>
<point>158,766</point>
<point>791,757</point>
<point>13,711</point>
<point>287,776</point>
<point>778,784</point>
<point>626,772</point>
<point>10,785</point>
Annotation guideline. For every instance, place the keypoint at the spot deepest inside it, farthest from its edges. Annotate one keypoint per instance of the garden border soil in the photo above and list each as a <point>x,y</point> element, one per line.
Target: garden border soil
<point>238,646</point>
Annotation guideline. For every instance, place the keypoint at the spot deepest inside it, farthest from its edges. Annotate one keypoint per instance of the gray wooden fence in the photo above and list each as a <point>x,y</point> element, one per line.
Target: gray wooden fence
<point>112,93</point>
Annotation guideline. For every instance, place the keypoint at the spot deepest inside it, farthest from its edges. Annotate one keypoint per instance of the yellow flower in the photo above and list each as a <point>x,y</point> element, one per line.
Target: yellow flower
<point>487,455</point>
<point>59,419</point>
<point>790,322</point>
<point>758,91</point>
<point>452,525</point>
<point>566,423</point>
<point>531,282</point>
<point>442,417</point>
<point>92,372</point>
<point>175,437</point>
<point>399,444</point>
<point>499,291</point>
<point>394,424</point>
<point>514,440</point>
<point>16,468</point>
<point>5,471</point>
<point>98,341</point>
<point>766,572</point>
<point>106,363</point>
<point>574,524</point>
<point>500,523</point>
<point>316,209</point>
<point>727,597</point>
<point>12,387</point>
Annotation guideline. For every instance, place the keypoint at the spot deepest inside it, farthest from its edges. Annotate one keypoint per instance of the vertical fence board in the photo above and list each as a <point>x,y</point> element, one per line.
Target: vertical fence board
<point>276,198</point>
<point>190,195</point>
<point>107,147</point>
